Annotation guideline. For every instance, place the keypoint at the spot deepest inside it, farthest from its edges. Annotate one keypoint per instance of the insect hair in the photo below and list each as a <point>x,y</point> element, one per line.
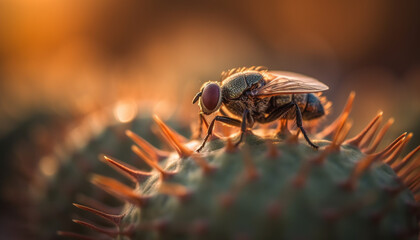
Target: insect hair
<point>230,72</point>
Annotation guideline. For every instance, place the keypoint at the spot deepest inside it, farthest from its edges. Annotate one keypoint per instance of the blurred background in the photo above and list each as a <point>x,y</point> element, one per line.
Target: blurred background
<point>62,60</point>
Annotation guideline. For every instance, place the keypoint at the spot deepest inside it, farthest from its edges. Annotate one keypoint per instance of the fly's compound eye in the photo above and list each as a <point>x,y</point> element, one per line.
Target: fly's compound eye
<point>211,98</point>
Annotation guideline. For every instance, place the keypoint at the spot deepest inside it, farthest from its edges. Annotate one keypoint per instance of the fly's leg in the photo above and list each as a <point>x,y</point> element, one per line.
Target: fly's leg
<point>299,124</point>
<point>223,112</point>
<point>198,132</point>
<point>283,110</point>
<point>243,126</point>
<point>227,120</point>
<point>276,114</point>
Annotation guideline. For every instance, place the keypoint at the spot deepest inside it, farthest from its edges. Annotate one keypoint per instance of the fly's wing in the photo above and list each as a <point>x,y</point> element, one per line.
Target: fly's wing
<point>278,82</point>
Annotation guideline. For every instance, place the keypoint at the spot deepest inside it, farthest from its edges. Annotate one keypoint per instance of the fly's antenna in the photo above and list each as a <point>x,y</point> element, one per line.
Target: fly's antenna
<point>197,96</point>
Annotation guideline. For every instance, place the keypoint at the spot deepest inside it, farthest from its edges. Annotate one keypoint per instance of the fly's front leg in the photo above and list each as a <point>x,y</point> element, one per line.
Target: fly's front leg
<point>227,120</point>
<point>223,112</point>
<point>201,120</point>
<point>299,124</point>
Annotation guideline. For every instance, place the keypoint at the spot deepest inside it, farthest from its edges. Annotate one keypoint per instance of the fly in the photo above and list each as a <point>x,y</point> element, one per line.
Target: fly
<point>257,95</point>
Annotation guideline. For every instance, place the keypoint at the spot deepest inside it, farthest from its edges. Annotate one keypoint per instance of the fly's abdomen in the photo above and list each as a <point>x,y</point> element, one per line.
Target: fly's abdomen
<point>313,109</point>
<point>235,107</point>
<point>310,106</point>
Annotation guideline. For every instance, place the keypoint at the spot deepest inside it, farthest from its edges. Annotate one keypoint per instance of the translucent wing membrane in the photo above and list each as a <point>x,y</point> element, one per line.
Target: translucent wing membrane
<point>288,83</point>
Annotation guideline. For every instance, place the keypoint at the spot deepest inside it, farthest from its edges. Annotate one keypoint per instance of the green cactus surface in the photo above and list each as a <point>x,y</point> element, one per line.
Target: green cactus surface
<point>272,186</point>
<point>70,184</point>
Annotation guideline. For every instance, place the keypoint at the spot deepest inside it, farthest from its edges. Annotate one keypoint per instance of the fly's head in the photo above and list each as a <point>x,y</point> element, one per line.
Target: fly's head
<point>210,97</point>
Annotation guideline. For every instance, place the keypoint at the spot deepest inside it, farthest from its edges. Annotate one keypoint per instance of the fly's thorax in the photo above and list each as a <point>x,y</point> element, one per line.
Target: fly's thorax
<point>253,77</point>
<point>235,85</point>
<point>236,107</point>
<point>258,107</point>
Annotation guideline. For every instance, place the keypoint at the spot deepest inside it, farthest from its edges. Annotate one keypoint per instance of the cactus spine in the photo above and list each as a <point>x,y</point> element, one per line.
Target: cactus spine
<point>271,187</point>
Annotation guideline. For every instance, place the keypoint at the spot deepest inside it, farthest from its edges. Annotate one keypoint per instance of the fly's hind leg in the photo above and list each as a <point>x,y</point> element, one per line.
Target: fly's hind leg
<point>299,124</point>
<point>283,110</point>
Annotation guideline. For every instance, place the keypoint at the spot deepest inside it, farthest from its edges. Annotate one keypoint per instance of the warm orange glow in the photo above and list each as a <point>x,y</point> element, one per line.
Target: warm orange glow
<point>125,111</point>
<point>48,165</point>
<point>69,69</point>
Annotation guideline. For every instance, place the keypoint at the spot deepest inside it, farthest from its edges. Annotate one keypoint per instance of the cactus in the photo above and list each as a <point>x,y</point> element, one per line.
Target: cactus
<point>39,211</point>
<point>273,186</point>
